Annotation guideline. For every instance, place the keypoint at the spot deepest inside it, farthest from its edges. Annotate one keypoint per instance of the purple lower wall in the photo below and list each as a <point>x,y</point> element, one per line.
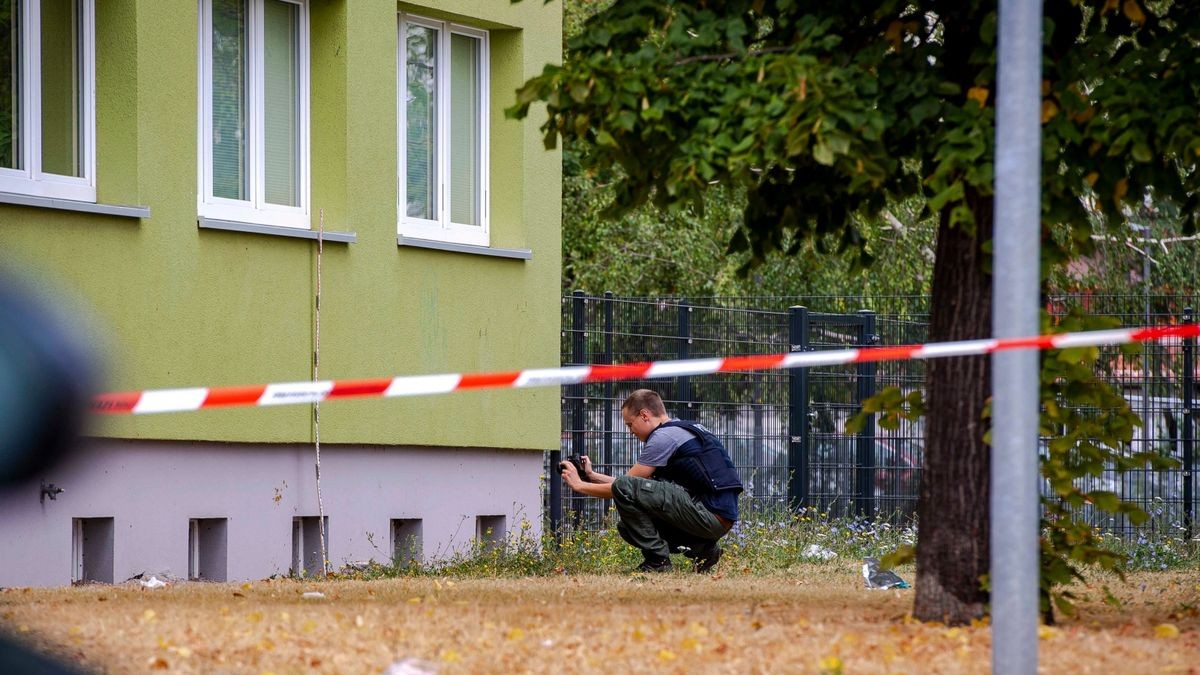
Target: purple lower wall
<point>152,490</point>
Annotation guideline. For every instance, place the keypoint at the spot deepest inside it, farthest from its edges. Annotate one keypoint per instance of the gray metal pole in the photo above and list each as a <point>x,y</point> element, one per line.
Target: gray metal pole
<point>1014,489</point>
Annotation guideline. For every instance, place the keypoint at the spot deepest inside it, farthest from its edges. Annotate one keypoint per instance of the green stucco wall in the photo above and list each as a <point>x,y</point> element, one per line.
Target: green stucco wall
<point>184,306</point>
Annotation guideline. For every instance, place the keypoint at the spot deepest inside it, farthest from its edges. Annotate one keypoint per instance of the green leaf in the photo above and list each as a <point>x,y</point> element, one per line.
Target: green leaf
<point>953,192</point>
<point>652,113</point>
<point>1064,605</point>
<point>924,109</point>
<point>961,215</point>
<point>903,555</point>
<point>1111,599</point>
<point>578,91</point>
<point>947,89</point>
<point>838,144</point>
<point>823,153</point>
<point>1057,574</point>
<point>1105,501</point>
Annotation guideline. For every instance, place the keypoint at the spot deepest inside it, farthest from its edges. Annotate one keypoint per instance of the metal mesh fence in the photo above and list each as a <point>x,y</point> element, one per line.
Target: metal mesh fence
<point>778,425</point>
<point>1155,381</point>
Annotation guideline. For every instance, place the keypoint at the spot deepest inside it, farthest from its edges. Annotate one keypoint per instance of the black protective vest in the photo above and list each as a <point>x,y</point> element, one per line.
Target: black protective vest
<point>701,468</point>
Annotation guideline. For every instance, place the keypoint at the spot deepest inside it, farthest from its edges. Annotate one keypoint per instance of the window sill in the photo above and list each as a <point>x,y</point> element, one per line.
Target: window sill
<point>516,253</point>
<point>275,230</point>
<point>72,205</point>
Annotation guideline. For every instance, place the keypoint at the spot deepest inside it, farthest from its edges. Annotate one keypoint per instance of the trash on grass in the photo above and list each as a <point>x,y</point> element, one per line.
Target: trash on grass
<point>818,551</point>
<point>877,578</point>
<point>313,595</point>
<point>153,582</point>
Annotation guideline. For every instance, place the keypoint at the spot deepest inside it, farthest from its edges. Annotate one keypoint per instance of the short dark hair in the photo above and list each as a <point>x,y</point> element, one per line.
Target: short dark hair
<point>645,399</point>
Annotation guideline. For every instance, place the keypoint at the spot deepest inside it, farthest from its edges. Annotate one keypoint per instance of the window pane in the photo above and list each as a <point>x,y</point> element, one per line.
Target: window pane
<point>229,54</point>
<point>281,103</point>
<point>465,145</point>
<point>420,71</point>
<point>10,84</point>
<point>62,77</point>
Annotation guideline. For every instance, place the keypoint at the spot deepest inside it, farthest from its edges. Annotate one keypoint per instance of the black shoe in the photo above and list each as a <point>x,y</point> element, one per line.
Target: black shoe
<point>654,566</point>
<point>707,558</point>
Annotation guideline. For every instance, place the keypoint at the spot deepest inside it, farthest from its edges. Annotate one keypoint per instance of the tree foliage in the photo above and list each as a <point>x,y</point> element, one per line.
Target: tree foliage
<point>827,113</point>
<point>682,97</point>
<point>683,251</point>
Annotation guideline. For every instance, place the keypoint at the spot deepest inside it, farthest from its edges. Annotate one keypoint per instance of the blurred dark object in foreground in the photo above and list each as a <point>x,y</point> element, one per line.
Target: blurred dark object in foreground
<point>46,378</point>
<point>16,658</point>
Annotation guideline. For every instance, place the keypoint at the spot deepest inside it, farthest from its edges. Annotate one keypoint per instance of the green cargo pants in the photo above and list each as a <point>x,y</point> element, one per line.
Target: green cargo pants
<point>658,517</point>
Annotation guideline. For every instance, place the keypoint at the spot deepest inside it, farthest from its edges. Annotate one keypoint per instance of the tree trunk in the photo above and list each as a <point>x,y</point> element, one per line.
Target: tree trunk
<point>952,540</point>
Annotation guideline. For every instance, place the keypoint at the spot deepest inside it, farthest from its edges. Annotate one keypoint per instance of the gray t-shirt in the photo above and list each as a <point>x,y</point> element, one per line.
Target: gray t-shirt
<point>662,444</point>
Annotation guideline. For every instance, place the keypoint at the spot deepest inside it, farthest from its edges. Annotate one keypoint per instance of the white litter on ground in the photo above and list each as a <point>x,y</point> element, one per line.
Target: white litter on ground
<point>818,551</point>
<point>411,666</point>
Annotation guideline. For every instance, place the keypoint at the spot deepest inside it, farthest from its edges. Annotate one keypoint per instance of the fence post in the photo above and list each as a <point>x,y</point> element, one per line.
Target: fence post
<point>607,459</point>
<point>684,390</point>
<point>552,477</point>
<point>865,389</point>
<point>1189,456</point>
<point>579,356</point>
<point>798,478</point>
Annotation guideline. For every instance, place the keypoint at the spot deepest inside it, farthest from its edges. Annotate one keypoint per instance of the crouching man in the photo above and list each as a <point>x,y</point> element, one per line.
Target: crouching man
<point>681,494</point>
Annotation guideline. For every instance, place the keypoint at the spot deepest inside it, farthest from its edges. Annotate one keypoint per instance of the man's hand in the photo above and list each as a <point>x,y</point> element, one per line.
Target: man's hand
<point>569,475</point>
<point>594,485</point>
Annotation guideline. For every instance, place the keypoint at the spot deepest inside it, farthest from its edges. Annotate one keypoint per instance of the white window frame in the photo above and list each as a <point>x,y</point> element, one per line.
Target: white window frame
<point>442,228</point>
<point>32,180</point>
<point>255,209</point>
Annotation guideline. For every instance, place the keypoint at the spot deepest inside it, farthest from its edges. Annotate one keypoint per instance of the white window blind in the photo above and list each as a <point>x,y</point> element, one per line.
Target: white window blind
<point>465,95</point>
<point>282,103</point>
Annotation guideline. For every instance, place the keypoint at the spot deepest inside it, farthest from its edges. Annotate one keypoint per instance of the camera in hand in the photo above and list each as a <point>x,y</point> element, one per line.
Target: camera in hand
<point>578,464</point>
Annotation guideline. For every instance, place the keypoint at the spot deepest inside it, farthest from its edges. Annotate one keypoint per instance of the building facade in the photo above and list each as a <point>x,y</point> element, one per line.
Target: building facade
<point>196,174</point>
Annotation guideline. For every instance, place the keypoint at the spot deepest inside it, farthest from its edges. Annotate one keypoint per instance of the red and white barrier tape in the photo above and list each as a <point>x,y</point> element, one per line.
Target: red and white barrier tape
<point>179,400</point>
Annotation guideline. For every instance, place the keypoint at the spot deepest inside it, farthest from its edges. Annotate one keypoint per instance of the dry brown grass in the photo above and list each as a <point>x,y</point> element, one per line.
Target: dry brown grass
<point>793,623</point>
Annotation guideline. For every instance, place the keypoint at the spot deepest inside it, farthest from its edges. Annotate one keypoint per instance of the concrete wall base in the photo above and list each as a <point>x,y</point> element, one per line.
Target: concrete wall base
<point>153,491</point>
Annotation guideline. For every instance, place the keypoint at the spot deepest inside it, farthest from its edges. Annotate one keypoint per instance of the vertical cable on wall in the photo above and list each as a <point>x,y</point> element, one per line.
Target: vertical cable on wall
<point>317,405</point>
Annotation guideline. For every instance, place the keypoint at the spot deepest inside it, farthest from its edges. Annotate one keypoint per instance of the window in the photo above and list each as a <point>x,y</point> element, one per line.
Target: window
<point>443,131</point>
<point>254,111</point>
<point>47,98</point>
